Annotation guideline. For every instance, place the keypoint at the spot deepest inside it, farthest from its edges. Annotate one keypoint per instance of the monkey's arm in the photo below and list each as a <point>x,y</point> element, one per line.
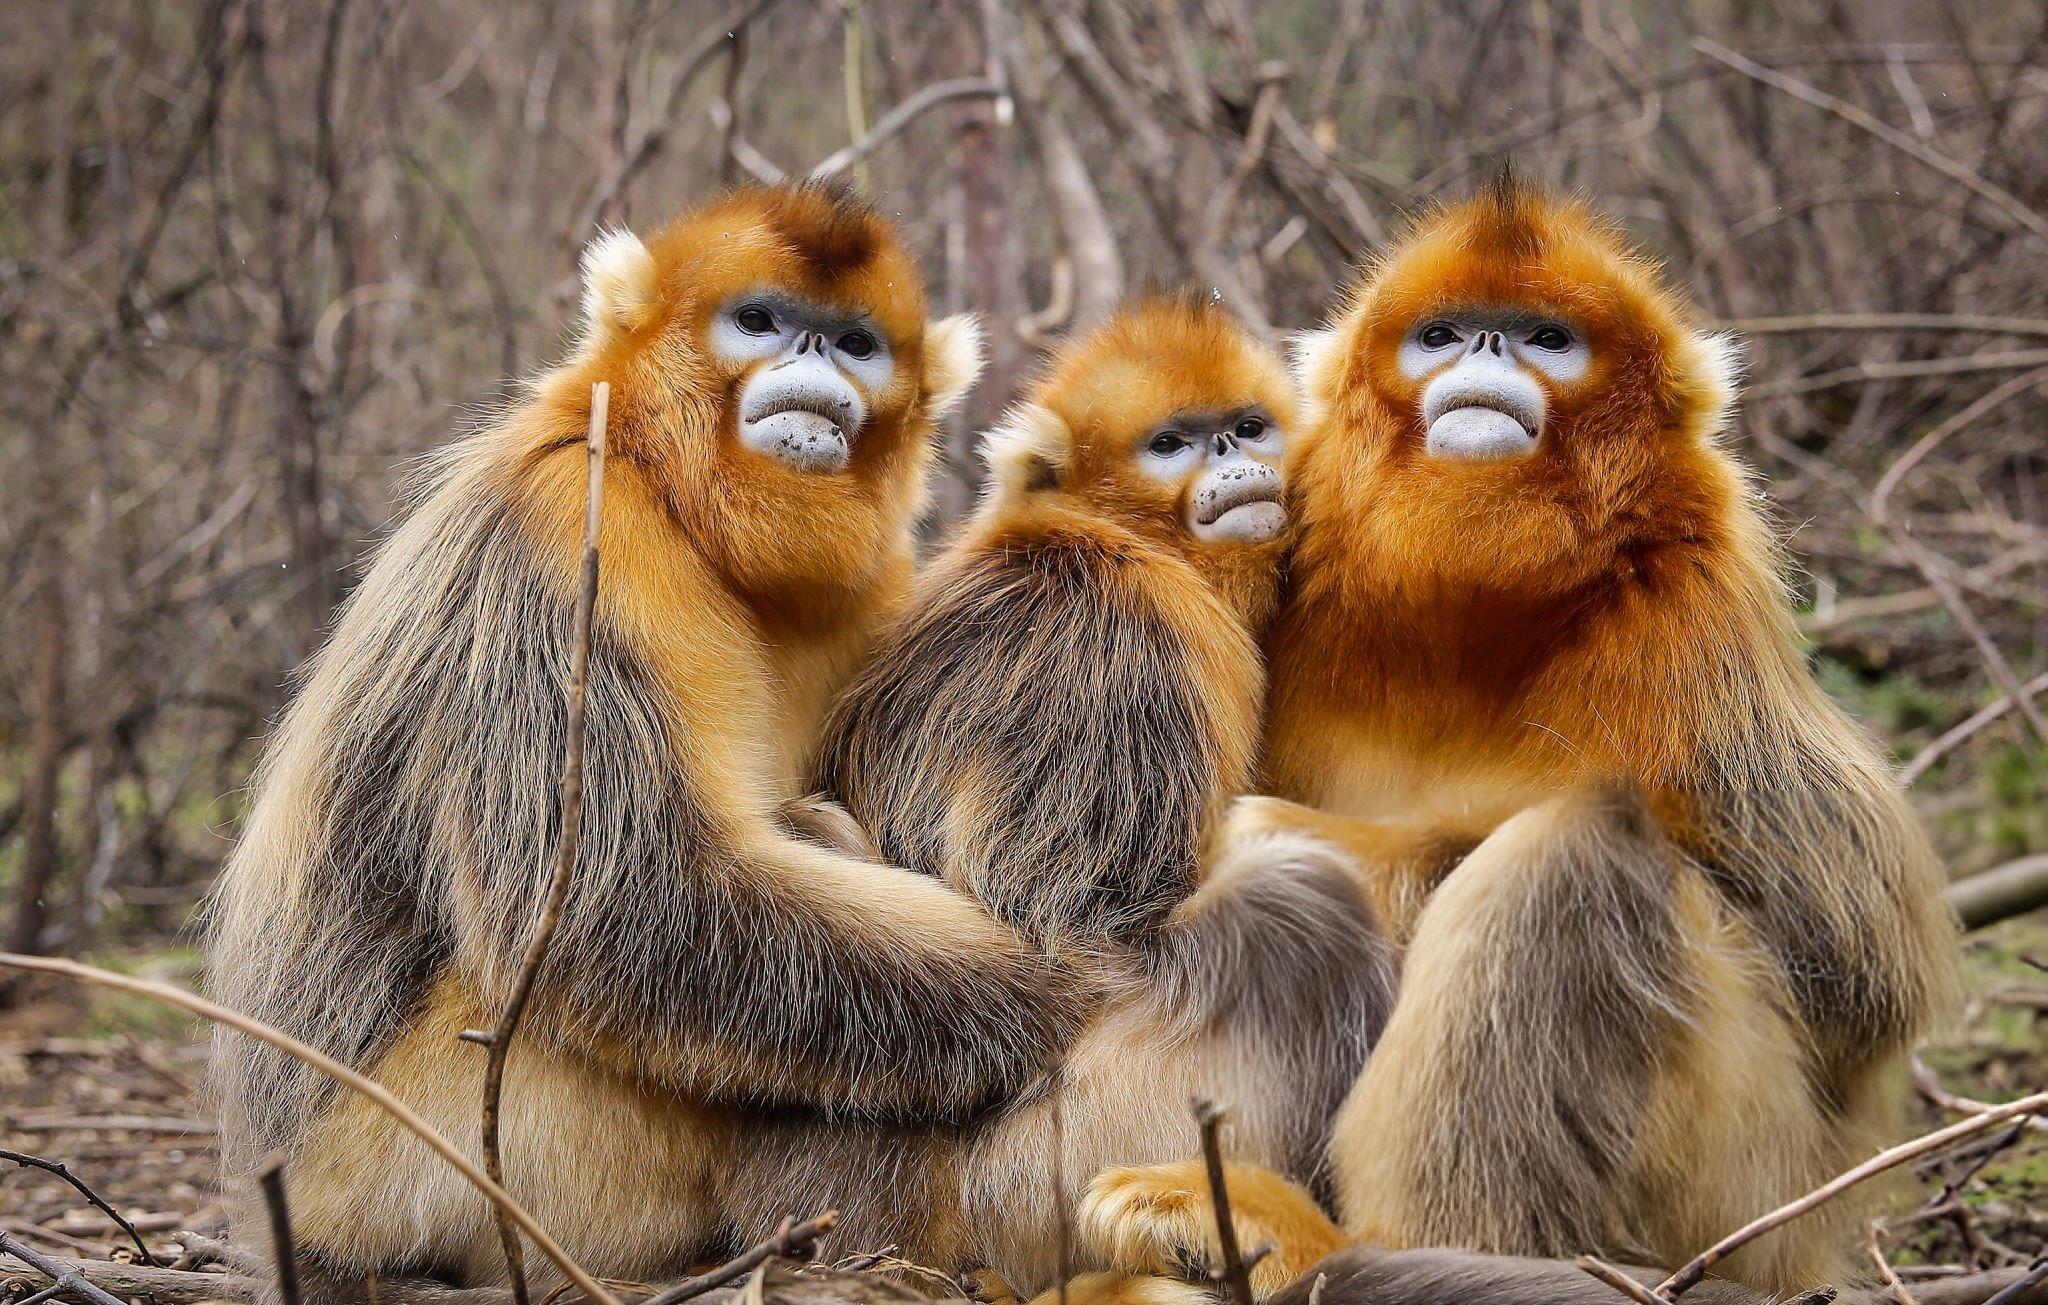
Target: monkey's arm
<point>706,947</point>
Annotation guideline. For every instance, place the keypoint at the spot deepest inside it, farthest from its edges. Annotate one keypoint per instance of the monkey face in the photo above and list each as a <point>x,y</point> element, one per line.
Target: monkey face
<point>1226,470</point>
<point>1169,418</point>
<point>811,370</point>
<point>1512,380</point>
<point>1483,374</point>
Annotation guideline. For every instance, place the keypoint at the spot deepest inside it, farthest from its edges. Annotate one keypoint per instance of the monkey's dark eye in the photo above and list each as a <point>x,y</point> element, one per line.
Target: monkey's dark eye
<point>1438,334</point>
<point>1550,336</point>
<point>755,320</point>
<point>857,344</point>
<point>1167,443</point>
<point>1251,428</point>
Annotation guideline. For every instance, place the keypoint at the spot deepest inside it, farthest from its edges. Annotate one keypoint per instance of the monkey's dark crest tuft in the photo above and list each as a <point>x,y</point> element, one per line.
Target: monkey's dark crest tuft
<point>1509,226</point>
<point>832,230</point>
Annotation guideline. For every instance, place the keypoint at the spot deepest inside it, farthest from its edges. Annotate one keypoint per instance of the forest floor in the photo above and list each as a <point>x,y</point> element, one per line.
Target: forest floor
<point>113,1087</point>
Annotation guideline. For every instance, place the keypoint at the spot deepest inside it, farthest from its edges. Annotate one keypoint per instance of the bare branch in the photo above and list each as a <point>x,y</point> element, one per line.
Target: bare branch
<point>376,1092</point>
<point>896,119</point>
<point>499,1046</point>
<point>1694,1270</point>
<point>2007,202</point>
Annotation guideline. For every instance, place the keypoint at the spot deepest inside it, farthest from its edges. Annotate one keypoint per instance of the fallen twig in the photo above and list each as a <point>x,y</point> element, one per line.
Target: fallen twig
<point>2001,892</point>
<point>789,1239</point>
<point>1689,1276</point>
<point>54,1167</point>
<point>201,1249</point>
<point>63,1275</point>
<point>499,1045</point>
<point>1209,1118</point>
<point>2034,1275</point>
<point>333,1068</point>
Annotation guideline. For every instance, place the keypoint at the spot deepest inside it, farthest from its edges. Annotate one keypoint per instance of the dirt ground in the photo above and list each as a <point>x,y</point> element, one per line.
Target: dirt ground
<point>114,1088</point>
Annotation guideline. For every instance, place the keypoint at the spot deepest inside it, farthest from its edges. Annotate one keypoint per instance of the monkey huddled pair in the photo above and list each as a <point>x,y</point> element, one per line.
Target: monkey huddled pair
<point>1486,612</point>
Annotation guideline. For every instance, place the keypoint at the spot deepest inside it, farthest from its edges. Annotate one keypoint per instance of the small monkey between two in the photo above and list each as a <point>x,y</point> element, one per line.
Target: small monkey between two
<point>1055,726</point>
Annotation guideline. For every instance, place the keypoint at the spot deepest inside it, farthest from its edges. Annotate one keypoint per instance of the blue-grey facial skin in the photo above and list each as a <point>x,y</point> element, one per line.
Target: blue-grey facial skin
<point>1234,457</point>
<point>1482,400</point>
<point>813,368</point>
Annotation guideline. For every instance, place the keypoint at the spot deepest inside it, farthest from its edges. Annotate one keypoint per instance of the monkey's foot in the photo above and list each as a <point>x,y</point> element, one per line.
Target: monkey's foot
<point>1159,1219</point>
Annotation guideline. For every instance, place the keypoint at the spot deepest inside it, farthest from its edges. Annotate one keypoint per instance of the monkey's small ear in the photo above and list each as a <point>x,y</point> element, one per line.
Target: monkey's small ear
<point>1715,362</point>
<point>619,285</point>
<point>1026,451</point>
<point>1316,358</point>
<point>952,360</point>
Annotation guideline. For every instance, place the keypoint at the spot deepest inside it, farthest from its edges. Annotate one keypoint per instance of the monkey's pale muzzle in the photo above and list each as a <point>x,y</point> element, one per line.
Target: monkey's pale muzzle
<point>802,413</point>
<point>1239,502</point>
<point>1484,409</point>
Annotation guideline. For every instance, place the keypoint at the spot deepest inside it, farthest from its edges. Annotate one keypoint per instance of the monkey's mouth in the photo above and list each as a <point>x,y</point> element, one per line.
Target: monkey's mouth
<point>1248,508</point>
<point>1480,427</point>
<point>802,418</point>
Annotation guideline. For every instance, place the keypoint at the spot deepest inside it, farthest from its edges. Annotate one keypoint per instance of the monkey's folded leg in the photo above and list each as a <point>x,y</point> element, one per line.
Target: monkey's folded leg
<point>1586,1056</point>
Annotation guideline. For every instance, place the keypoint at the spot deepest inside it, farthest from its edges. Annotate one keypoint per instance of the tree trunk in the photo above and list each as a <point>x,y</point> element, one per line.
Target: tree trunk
<point>46,742</point>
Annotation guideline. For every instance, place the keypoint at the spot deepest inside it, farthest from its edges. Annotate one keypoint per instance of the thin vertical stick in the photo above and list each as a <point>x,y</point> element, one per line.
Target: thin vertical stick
<point>499,1042</point>
<point>1209,1115</point>
<point>1065,1226</point>
<point>270,1177</point>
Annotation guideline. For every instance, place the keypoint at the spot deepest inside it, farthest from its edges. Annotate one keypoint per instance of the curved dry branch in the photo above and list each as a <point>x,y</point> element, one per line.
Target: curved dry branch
<point>896,119</point>
<point>375,1091</point>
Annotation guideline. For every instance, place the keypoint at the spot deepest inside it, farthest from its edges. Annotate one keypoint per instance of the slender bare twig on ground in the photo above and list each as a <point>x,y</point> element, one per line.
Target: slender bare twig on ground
<point>201,1249</point>
<point>1618,1280</point>
<point>2000,893</point>
<point>55,1167</point>
<point>788,1240</point>
<point>375,1091</point>
<point>1209,1118</point>
<point>270,1177</point>
<point>64,1276</point>
<point>1884,1266</point>
<point>2012,1294</point>
<point>1689,1276</point>
<point>499,1044</point>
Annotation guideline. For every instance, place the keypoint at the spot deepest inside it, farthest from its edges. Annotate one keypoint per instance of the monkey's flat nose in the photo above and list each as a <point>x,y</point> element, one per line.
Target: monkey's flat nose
<point>1496,342</point>
<point>1219,443</point>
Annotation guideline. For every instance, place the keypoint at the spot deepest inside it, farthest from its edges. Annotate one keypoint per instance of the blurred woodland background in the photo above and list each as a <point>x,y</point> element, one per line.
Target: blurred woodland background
<point>256,256</point>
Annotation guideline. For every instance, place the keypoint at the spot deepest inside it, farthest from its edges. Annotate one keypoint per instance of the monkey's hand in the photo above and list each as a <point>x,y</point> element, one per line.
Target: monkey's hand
<point>828,824</point>
<point>1159,1219</point>
<point>1398,862</point>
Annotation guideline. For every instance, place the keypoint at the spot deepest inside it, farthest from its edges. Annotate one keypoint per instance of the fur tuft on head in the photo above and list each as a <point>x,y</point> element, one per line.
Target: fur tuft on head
<point>954,359</point>
<point>620,284</point>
